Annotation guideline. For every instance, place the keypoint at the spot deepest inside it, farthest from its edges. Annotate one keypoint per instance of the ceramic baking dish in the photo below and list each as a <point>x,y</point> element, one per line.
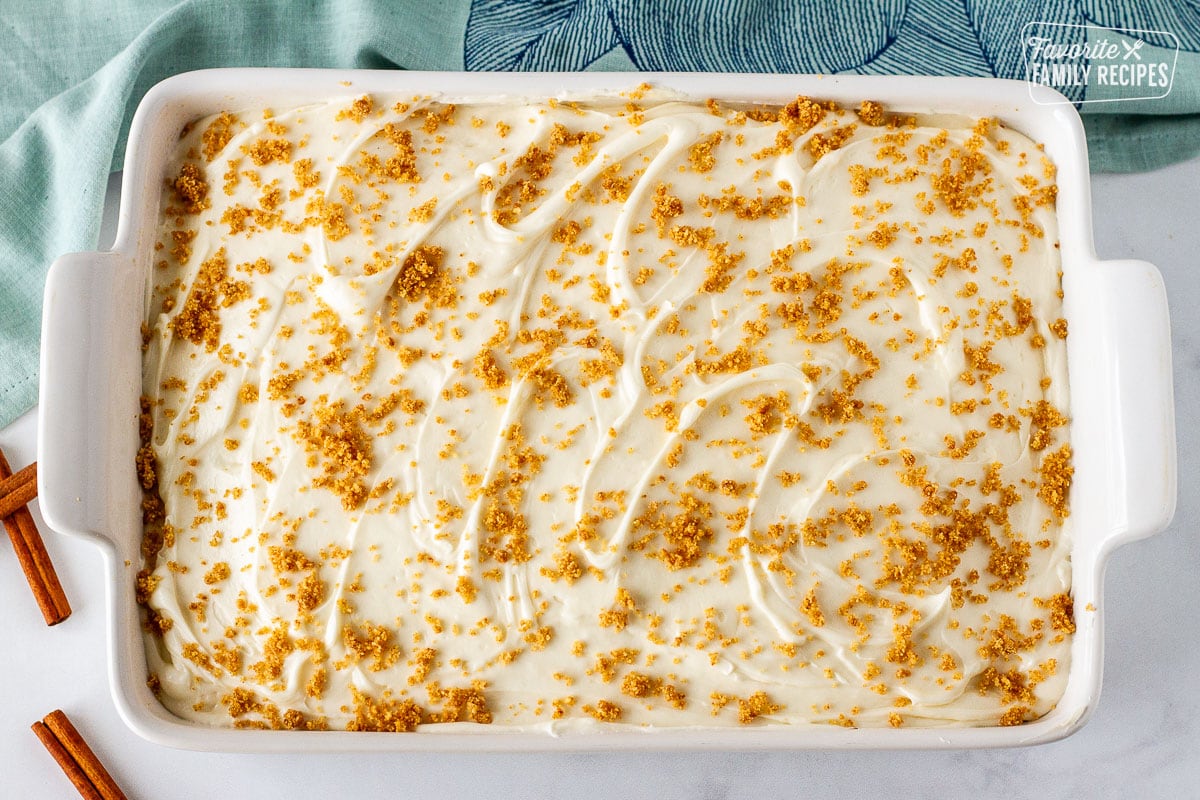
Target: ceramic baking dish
<point>1119,366</point>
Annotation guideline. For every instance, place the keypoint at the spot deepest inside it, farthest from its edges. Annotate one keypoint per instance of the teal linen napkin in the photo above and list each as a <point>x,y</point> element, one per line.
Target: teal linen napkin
<point>75,71</point>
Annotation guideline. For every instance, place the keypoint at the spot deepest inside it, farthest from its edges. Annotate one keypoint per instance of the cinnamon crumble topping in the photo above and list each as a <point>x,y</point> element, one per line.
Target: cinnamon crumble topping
<point>716,414</point>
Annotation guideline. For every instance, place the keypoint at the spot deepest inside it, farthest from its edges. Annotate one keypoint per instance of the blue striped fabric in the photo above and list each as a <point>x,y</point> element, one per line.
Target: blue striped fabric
<point>563,35</point>
<point>920,37</point>
<point>938,34</point>
<point>1165,22</point>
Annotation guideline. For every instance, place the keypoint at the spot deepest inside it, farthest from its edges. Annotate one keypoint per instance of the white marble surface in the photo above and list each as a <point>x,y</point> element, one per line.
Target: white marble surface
<point>1143,741</point>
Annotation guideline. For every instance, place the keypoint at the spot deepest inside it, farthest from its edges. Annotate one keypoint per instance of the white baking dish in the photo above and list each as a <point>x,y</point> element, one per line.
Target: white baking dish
<point>1119,358</point>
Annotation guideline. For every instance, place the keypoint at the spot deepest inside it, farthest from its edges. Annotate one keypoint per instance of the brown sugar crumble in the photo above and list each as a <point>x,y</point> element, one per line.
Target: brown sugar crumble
<point>756,705</point>
<point>624,411</point>
<point>218,134</point>
<point>191,188</point>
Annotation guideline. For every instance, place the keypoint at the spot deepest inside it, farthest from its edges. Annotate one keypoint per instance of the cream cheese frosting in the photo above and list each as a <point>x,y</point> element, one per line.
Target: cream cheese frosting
<point>629,410</point>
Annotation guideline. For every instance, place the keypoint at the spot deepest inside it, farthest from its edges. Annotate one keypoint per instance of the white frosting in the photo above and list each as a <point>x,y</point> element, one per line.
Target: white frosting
<point>733,621</point>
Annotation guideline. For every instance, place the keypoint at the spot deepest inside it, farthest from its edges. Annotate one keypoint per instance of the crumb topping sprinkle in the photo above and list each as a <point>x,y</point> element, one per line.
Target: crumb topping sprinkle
<point>626,410</point>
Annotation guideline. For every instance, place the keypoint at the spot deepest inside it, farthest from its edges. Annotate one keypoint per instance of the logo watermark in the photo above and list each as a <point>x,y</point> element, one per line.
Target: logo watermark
<point>1091,64</point>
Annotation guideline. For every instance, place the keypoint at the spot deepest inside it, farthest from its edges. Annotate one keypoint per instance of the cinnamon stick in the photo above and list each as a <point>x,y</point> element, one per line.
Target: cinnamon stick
<point>17,489</point>
<point>73,771</point>
<point>31,554</point>
<point>76,758</point>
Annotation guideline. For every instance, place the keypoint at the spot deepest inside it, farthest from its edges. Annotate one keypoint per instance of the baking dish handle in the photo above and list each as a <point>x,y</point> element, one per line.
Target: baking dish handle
<point>1143,411</point>
<point>82,381</point>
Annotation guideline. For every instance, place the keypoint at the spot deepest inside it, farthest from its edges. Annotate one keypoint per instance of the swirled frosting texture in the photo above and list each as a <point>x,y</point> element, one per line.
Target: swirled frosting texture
<point>627,410</point>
